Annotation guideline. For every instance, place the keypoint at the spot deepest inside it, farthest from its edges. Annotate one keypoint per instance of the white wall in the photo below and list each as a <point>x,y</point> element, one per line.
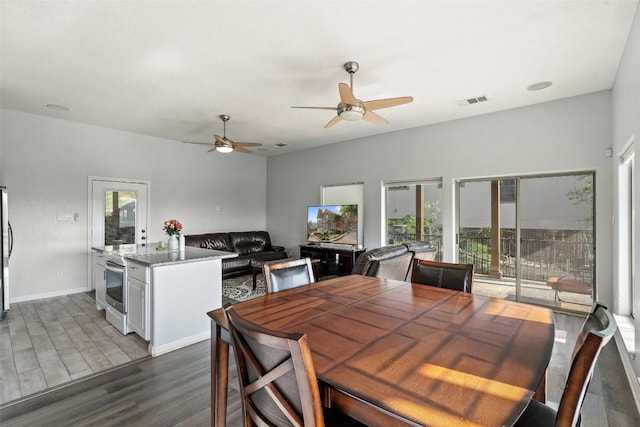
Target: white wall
<point>561,136</point>
<point>626,128</point>
<point>45,164</point>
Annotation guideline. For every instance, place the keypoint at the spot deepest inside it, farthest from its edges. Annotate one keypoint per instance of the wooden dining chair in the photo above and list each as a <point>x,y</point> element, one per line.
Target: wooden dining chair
<point>288,274</point>
<point>458,277</point>
<point>277,377</point>
<point>596,332</point>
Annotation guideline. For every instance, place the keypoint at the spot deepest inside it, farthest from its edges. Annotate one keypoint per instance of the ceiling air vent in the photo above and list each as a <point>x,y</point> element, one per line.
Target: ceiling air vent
<point>471,101</point>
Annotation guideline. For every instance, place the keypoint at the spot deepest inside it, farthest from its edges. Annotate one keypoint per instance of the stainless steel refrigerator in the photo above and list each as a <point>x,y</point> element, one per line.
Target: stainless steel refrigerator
<point>6,245</point>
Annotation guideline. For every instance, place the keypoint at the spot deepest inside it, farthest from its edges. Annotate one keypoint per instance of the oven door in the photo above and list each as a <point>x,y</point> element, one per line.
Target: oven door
<point>116,280</point>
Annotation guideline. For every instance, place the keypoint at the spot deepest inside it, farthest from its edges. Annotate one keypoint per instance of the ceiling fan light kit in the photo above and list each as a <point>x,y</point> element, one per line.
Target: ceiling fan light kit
<point>350,112</point>
<point>223,144</point>
<point>352,109</point>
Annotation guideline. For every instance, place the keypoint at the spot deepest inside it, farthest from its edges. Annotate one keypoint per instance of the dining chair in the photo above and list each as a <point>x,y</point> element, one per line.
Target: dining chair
<point>597,330</point>
<point>458,277</point>
<point>278,381</point>
<point>288,274</point>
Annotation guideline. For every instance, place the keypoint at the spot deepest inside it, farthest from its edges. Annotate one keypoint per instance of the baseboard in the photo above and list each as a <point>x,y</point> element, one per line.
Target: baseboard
<point>632,377</point>
<point>174,345</point>
<point>49,295</point>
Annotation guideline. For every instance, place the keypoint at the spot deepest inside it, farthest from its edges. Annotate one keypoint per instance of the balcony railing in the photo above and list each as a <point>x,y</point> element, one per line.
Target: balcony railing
<point>541,257</point>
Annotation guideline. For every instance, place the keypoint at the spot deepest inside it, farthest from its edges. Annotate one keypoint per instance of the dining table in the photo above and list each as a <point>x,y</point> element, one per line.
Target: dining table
<point>389,352</point>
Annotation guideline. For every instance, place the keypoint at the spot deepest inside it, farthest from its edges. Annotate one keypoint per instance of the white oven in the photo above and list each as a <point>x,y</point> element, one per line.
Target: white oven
<point>116,294</point>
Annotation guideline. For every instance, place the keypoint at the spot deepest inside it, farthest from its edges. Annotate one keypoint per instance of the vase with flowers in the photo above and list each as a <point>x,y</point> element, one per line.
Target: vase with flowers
<point>172,227</point>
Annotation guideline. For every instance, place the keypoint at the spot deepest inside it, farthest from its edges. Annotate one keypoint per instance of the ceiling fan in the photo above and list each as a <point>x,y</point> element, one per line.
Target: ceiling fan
<point>224,144</point>
<point>350,108</point>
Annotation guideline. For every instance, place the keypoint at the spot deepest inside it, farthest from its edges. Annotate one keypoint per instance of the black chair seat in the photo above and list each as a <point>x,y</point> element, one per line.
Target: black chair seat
<point>537,414</point>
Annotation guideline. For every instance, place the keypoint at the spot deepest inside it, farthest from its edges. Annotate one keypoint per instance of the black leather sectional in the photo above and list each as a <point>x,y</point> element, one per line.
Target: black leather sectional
<point>249,245</point>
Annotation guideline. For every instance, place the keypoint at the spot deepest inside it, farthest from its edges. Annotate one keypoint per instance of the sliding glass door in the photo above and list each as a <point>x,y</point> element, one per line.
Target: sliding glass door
<point>530,238</point>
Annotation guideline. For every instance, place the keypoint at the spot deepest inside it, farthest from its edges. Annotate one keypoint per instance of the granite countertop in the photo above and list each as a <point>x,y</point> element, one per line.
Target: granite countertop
<point>151,255</point>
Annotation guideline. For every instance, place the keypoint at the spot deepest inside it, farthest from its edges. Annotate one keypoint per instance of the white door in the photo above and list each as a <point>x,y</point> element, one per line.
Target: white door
<point>118,211</point>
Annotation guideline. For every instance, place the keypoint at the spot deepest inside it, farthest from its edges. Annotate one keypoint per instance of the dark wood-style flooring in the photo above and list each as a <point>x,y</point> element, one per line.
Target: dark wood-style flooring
<point>174,390</point>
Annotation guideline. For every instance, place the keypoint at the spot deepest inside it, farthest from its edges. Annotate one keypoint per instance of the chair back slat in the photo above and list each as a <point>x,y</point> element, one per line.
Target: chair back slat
<point>457,277</point>
<point>596,332</point>
<point>288,274</point>
<point>277,378</point>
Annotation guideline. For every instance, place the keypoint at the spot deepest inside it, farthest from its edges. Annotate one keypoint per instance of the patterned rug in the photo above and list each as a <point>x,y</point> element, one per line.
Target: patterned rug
<point>239,289</point>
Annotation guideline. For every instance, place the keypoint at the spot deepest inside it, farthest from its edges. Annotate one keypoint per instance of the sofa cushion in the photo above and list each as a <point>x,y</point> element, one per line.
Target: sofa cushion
<point>214,241</point>
<point>246,242</point>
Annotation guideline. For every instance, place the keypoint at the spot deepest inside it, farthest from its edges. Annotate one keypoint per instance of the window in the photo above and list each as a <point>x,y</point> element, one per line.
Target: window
<point>413,212</point>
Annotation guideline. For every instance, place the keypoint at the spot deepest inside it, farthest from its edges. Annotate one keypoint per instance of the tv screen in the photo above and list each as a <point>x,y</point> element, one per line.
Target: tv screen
<point>332,224</point>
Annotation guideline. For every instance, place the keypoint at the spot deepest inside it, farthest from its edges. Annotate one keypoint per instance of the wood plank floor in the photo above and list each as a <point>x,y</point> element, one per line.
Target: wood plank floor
<point>53,341</point>
<point>173,390</point>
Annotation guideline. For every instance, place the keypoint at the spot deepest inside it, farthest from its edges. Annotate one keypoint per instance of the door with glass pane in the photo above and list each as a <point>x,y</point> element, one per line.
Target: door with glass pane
<point>119,212</point>
<point>530,239</point>
<point>413,212</point>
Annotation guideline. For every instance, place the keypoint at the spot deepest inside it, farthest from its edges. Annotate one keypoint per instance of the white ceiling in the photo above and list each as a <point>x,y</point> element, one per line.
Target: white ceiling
<point>170,68</point>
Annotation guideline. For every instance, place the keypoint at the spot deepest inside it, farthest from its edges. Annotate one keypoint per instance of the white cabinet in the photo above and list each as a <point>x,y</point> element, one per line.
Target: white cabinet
<point>138,299</point>
<point>100,280</point>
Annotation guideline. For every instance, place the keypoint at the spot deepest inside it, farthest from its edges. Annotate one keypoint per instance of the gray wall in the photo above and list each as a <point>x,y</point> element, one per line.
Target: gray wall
<point>626,129</point>
<point>45,163</point>
<point>561,136</point>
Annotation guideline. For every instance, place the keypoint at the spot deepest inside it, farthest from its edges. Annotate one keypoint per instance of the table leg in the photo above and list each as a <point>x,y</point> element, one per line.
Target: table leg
<point>219,377</point>
<point>541,392</point>
<point>255,275</point>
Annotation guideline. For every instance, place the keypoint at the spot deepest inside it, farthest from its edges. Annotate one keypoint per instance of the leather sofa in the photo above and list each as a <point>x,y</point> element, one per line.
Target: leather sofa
<point>249,245</point>
<point>393,262</point>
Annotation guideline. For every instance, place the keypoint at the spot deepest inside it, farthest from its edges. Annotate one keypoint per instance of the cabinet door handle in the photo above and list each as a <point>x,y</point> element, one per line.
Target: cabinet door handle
<point>104,274</point>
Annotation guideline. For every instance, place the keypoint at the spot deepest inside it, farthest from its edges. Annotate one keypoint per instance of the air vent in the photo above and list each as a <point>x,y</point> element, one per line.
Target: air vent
<point>471,101</point>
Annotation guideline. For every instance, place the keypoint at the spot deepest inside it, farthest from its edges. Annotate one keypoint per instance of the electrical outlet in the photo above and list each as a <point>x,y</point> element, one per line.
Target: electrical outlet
<point>65,216</point>
<point>59,275</point>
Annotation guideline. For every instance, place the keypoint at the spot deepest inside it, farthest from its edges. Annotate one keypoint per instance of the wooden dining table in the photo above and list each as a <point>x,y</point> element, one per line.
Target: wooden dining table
<point>388,352</point>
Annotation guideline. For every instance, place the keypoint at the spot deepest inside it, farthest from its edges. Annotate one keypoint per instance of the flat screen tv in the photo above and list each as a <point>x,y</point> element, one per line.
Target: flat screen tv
<point>332,224</point>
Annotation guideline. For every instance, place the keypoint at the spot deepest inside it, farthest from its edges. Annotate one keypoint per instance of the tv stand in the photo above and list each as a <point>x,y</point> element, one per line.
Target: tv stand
<point>335,259</point>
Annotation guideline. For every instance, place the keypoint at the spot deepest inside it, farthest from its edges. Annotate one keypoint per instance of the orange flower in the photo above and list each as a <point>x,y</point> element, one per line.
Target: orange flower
<point>172,227</point>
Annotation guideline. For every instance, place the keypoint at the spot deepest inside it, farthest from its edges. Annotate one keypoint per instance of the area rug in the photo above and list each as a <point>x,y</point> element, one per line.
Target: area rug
<point>239,289</point>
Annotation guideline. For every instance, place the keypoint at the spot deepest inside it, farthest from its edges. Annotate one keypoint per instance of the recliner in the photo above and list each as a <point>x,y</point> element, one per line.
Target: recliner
<point>392,262</point>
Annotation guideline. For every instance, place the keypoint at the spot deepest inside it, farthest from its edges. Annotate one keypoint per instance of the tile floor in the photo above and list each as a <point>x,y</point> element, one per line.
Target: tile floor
<point>49,342</point>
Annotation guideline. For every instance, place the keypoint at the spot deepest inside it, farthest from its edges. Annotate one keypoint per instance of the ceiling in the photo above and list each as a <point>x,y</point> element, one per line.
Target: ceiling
<point>169,68</point>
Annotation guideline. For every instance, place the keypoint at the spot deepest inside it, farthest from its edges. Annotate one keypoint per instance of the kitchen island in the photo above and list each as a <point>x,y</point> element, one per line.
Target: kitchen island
<point>164,295</point>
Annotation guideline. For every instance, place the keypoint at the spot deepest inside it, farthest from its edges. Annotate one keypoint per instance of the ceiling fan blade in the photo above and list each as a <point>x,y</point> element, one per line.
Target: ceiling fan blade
<point>220,139</point>
<point>199,143</point>
<point>247,144</point>
<point>332,122</point>
<point>318,108</point>
<point>379,104</point>
<point>213,149</point>
<point>346,94</point>
<point>240,149</point>
<point>372,117</point>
